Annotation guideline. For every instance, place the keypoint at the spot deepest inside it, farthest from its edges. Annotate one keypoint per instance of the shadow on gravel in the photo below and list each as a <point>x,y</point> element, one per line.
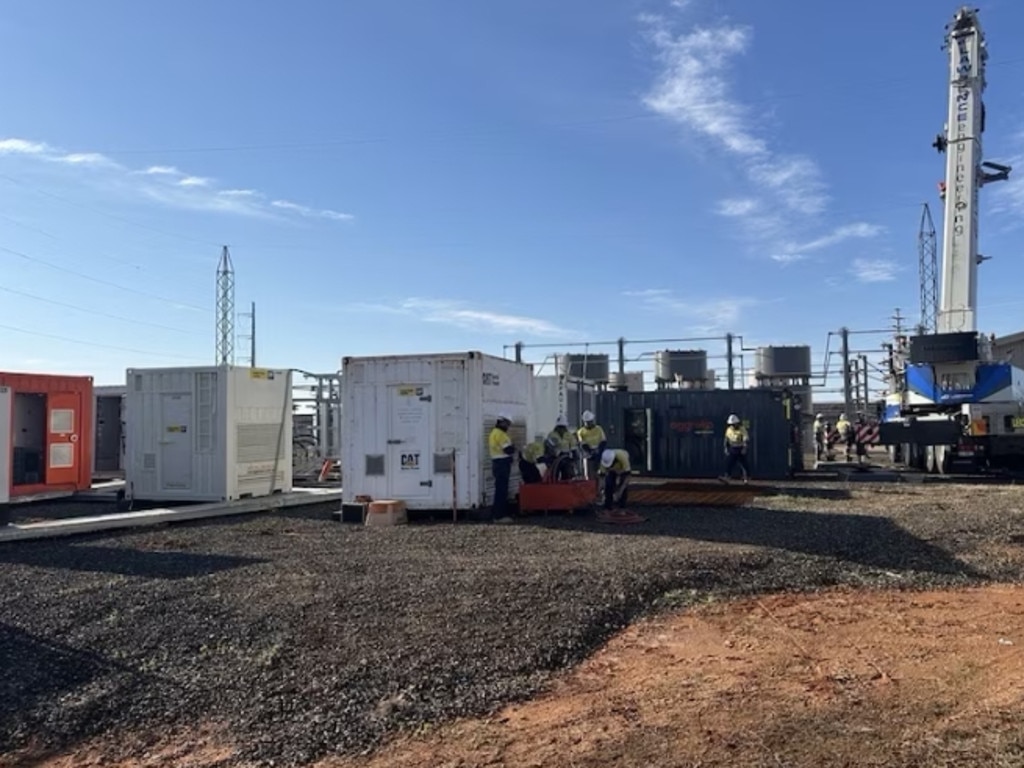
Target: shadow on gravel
<point>124,561</point>
<point>872,541</point>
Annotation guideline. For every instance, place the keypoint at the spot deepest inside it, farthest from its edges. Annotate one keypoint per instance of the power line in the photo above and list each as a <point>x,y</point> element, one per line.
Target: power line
<point>100,281</point>
<point>93,343</point>
<point>97,312</point>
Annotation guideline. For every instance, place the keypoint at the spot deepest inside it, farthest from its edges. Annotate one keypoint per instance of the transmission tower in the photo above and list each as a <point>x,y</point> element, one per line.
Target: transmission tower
<point>928,269</point>
<point>225,309</point>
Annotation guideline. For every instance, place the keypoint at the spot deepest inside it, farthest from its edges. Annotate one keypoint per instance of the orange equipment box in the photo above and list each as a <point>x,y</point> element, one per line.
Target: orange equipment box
<point>546,496</point>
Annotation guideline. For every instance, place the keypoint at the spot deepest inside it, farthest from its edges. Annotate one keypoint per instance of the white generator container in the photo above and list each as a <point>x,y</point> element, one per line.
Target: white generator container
<point>108,432</point>
<point>203,434</point>
<point>405,416</point>
<point>559,395</point>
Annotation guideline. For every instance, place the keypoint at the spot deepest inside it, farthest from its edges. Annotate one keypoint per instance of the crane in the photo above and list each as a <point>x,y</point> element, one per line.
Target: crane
<point>954,404</point>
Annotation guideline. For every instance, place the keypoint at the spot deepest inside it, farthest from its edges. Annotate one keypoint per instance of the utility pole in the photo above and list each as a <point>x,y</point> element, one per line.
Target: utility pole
<point>928,271</point>
<point>225,313</point>
<point>251,336</point>
<point>844,335</point>
<point>729,358</point>
<point>865,385</point>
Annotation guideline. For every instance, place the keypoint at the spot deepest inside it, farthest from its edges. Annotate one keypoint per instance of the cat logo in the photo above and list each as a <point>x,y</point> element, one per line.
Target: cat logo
<point>410,461</point>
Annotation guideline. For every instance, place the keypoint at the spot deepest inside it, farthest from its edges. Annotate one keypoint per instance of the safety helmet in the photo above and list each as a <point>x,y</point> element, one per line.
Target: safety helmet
<point>503,416</point>
<point>733,420</point>
<point>819,416</point>
<point>842,417</point>
<point>561,422</point>
<point>588,416</point>
<point>607,457</point>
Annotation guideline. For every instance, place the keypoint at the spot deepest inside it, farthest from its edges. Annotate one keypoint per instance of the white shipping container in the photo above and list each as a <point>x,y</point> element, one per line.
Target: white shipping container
<point>555,396</point>
<point>212,433</point>
<point>405,415</point>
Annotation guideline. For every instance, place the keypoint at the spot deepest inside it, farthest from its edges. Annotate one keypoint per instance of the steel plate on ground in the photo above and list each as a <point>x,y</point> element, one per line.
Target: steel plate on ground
<point>696,494</point>
<point>568,495</point>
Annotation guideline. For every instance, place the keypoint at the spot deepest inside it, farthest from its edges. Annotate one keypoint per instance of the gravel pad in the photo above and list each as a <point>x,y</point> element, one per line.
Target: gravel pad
<point>303,636</point>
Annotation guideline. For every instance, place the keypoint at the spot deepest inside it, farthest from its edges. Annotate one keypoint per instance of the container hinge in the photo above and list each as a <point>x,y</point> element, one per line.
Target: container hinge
<point>394,442</point>
<point>427,399</point>
<point>428,483</point>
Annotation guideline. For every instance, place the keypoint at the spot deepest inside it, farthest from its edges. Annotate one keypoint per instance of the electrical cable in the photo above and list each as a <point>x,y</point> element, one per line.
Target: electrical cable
<point>97,312</point>
<point>100,281</point>
<point>94,343</point>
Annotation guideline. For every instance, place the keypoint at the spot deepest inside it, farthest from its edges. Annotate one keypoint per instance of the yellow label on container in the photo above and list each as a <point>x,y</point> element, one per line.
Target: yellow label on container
<point>407,391</point>
<point>1018,422</point>
<point>258,373</point>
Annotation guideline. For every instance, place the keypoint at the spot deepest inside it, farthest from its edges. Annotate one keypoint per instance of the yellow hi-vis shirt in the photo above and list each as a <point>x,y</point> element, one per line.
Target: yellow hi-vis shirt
<point>497,442</point>
<point>566,442</point>
<point>735,437</point>
<point>843,427</point>
<point>533,451</point>
<point>621,463</point>
<point>591,437</point>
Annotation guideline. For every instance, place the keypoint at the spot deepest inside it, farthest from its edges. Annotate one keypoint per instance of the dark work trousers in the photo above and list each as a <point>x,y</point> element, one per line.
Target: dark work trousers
<point>736,458</point>
<point>594,472</point>
<point>611,482</point>
<point>502,469</point>
<point>529,472</point>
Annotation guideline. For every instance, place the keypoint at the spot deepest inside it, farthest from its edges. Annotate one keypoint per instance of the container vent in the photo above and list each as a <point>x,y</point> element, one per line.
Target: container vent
<point>257,442</point>
<point>149,461</point>
<point>374,465</point>
<point>138,382</point>
<point>443,463</point>
<point>62,455</point>
<point>206,387</point>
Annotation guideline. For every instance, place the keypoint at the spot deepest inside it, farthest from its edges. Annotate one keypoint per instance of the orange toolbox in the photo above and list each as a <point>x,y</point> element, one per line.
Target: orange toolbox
<point>548,495</point>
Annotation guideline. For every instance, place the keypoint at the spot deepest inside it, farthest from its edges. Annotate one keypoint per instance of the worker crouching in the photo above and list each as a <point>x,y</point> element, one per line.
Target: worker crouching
<point>616,468</point>
<point>532,455</point>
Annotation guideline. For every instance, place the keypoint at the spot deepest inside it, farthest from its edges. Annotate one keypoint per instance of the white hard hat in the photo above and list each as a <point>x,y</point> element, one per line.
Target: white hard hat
<point>733,419</point>
<point>819,416</point>
<point>588,416</point>
<point>607,457</point>
<point>561,422</point>
<point>842,416</point>
<point>504,416</point>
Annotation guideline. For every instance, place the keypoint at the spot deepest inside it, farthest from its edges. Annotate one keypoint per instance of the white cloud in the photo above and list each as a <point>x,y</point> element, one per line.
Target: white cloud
<point>875,270</point>
<point>694,91</point>
<point>717,315</point>
<point>165,184</point>
<point>457,314</point>
<point>859,229</point>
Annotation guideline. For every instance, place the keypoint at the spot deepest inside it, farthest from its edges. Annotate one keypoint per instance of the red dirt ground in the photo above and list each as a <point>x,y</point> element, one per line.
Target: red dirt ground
<point>838,679</point>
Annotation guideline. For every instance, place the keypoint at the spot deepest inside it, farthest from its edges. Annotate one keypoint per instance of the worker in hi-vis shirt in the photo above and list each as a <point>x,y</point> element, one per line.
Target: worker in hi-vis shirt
<point>532,455</point>
<point>615,465</point>
<point>502,450</point>
<point>592,443</point>
<point>565,465</point>
<point>736,441</point>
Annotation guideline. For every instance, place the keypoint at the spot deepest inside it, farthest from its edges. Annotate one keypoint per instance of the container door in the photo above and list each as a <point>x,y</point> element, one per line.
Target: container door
<point>176,442</point>
<point>6,442</point>
<point>638,438</point>
<point>64,424</point>
<point>409,447</point>
<point>108,433</point>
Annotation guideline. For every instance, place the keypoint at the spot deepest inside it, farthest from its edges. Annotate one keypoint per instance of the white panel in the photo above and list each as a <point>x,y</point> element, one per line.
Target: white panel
<point>6,441</point>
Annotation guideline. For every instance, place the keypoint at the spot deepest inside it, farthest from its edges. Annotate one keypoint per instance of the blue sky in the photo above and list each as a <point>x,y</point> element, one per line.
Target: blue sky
<point>409,177</point>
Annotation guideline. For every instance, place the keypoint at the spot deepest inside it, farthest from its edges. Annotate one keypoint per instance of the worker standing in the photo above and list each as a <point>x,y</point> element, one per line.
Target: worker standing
<point>846,434</point>
<point>501,448</point>
<point>615,465</point>
<point>860,430</point>
<point>592,442</point>
<point>820,438</point>
<point>736,442</point>
<point>565,466</point>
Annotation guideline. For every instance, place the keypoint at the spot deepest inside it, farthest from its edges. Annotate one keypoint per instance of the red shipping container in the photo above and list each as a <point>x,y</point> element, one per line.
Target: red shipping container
<point>46,426</point>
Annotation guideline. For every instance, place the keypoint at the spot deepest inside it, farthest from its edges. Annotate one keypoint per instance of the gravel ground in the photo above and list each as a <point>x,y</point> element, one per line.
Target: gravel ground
<point>303,637</point>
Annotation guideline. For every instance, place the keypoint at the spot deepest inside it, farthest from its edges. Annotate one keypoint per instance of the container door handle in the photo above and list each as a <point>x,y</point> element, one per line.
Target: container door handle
<point>395,442</point>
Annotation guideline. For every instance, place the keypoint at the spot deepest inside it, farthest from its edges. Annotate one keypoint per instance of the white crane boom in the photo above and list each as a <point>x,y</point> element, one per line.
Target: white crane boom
<point>965,173</point>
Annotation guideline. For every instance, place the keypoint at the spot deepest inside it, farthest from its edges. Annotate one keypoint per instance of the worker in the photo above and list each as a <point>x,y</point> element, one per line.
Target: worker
<point>736,442</point>
<point>592,442</point>
<point>859,433</point>
<point>532,455</point>
<point>820,438</point>
<point>616,468</point>
<point>827,433</point>
<point>846,434</point>
<point>567,452</point>
<point>501,448</point>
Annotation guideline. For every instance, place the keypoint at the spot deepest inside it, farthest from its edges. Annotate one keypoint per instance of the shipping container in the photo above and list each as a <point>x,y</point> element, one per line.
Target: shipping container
<point>205,434</point>
<point>555,396</point>
<point>405,416</point>
<point>681,433</point>
<point>108,435</point>
<point>45,435</point>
